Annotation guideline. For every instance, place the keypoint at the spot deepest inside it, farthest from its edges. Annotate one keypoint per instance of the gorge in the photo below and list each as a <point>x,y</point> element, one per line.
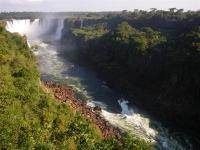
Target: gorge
<point>47,33</point>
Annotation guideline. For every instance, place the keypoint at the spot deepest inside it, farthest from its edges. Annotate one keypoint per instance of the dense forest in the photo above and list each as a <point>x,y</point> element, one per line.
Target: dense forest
<point>32,119</point>
<point>154,57</point>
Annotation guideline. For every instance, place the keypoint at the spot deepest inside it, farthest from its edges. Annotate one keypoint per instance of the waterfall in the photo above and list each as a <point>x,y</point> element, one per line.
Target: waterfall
<point>20,26</point>
<point>37,29</point>
<point>25,27</point>
<point>81,23</point>
<point>59,29</point>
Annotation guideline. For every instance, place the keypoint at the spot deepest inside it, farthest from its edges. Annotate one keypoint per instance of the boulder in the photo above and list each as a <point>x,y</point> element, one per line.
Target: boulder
<point>97,109</point>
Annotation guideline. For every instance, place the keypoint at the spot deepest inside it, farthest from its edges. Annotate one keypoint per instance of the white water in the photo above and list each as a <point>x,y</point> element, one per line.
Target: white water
<point>37,29</point>
<point>59,29</point>
<point>124,105</point>
<point>82,22</point>
<point>51,66</point>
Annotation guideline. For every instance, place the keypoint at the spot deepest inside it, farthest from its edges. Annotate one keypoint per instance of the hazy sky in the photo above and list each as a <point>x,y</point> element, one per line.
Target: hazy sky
<point>95,5</point>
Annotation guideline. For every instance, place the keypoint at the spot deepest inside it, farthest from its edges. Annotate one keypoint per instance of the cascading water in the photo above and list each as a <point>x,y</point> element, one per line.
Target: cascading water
<point>125,110</point>
<point>53,67</point>
<point>59,29</point>
<point>38,28</point>
<point>82,22</point>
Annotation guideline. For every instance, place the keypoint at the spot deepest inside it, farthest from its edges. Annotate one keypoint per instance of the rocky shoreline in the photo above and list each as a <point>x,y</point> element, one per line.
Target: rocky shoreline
<point>65,94</point>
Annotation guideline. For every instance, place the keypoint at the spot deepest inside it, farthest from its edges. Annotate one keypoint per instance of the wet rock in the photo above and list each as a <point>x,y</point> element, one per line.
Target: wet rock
<point>66,94</point>
<point>97,109</point>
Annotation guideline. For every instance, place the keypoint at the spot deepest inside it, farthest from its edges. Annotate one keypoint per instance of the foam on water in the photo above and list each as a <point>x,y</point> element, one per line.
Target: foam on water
<point>125,110</point>
<point>139,125</point>
<point>127,120</point>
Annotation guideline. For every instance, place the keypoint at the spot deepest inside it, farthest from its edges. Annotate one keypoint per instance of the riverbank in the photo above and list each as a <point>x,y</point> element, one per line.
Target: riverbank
<point>65,94</point>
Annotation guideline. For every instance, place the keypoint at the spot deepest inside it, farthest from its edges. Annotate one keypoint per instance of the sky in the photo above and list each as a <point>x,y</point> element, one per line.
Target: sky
<point>95,5</point>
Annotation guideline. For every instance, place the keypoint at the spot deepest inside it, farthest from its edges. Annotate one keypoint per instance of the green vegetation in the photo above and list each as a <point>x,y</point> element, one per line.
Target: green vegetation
<point>32,119</point>
<point>90,32</point>
<point>153,57</point>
